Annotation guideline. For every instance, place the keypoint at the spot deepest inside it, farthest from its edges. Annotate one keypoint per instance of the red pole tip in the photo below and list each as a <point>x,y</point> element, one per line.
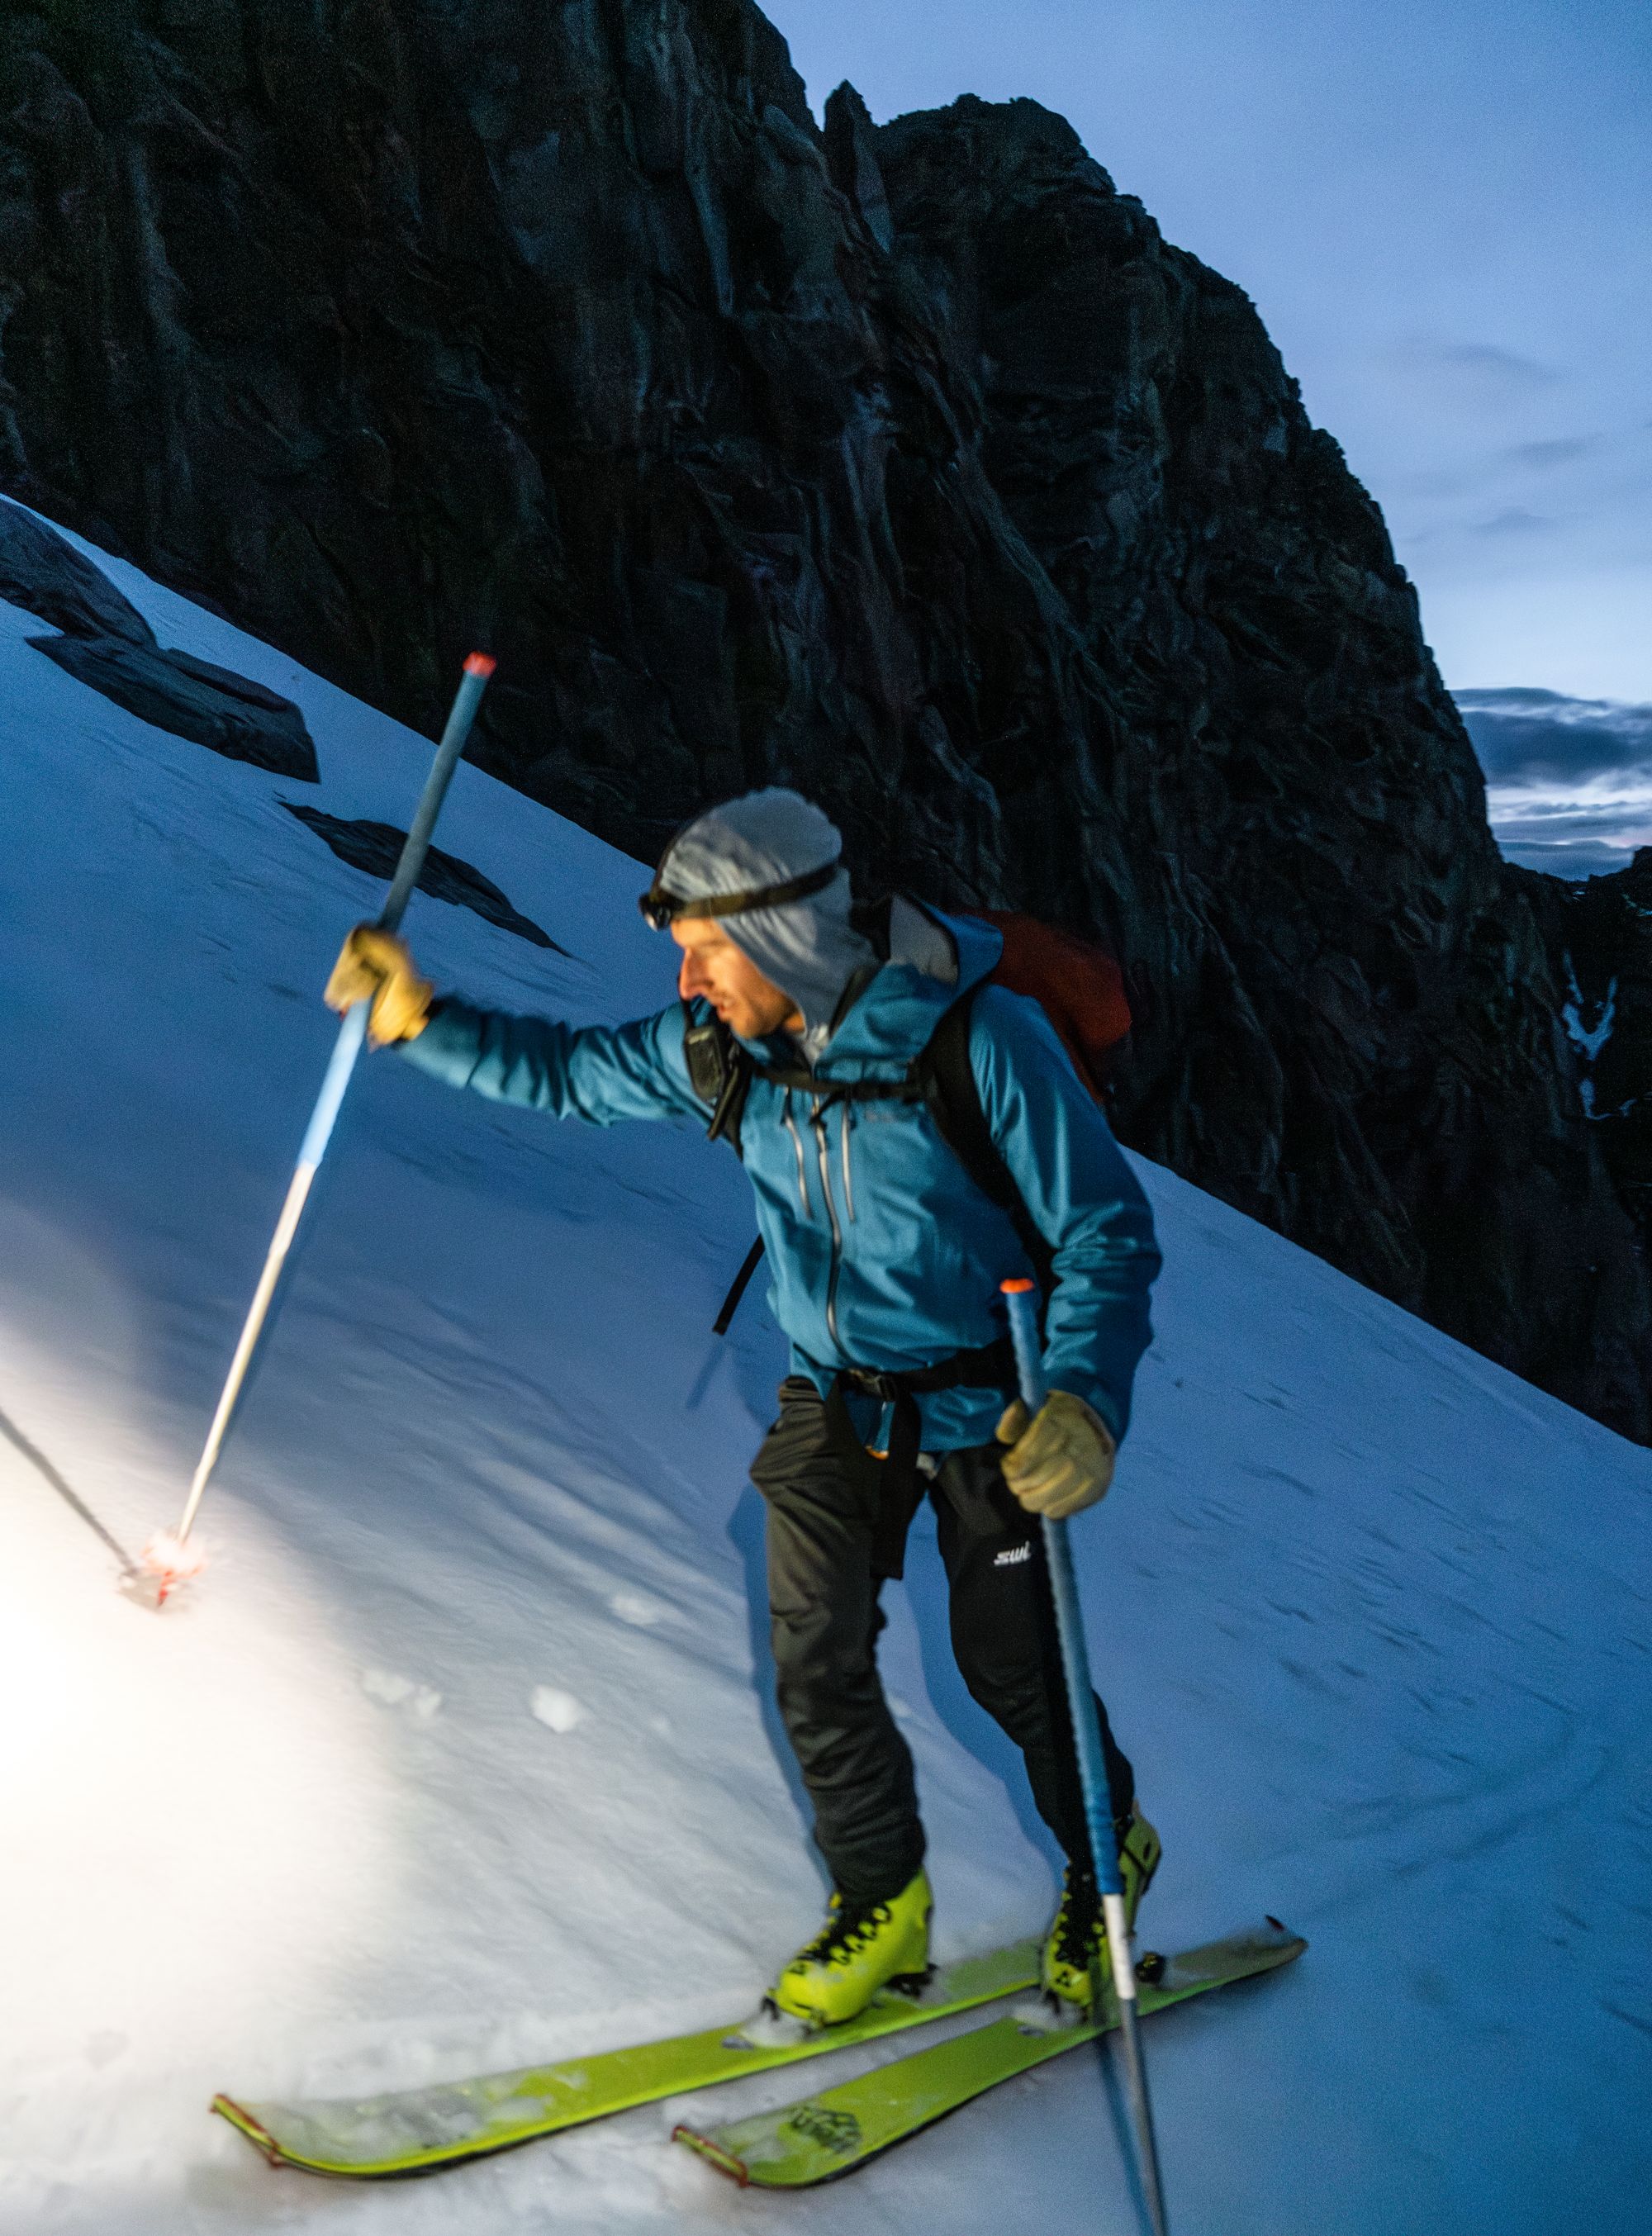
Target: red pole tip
<point>479,664</point>
<point>1017,1288</point>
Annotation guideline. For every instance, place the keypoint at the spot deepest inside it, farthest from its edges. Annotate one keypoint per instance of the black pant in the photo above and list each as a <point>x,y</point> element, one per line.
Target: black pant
<point>823,1495</point>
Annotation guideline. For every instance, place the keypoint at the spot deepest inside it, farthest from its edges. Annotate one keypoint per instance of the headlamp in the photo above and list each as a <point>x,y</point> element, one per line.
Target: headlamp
<point>661,909</point>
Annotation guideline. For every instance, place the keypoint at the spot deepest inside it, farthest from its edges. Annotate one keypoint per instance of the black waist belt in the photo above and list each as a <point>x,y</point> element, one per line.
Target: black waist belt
<point>900,1486</point>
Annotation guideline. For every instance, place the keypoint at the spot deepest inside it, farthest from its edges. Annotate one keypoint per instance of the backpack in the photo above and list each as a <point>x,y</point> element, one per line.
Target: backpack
<point>1081,990</point>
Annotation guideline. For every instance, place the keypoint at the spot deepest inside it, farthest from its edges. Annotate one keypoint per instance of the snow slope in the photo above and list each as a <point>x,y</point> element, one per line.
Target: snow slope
<point>460,1755</point>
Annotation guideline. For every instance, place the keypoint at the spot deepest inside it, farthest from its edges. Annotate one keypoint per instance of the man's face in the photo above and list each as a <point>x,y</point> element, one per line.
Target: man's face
<point>716,971</point>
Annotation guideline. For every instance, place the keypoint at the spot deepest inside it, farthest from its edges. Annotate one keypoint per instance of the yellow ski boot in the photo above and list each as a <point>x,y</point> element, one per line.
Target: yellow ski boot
<point>862,1948</point>
<point>1078,1931</point>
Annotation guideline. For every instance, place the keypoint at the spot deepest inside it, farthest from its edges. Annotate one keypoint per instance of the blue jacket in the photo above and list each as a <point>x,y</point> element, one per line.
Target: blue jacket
<point>883,1252</point>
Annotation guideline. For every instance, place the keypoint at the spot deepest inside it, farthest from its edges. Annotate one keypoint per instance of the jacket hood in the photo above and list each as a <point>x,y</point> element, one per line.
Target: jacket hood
<point>807,947</point>
<point>933,958</point>
<point>811,950</point>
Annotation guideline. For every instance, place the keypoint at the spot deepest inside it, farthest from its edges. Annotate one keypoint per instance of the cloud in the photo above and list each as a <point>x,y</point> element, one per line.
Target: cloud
<point>1476,374</point>
<point>1571,859</point>
<point>1560,451</point>
<point>1568,781</point>
<point>1516,522</point>
<point>1598,828</point>
<point>1541,738</point>
<point>1485,468</point>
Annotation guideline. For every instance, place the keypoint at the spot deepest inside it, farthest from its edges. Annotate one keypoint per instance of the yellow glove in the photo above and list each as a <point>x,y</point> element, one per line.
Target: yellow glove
<point>1061,1461</point>
<point>376,966</point>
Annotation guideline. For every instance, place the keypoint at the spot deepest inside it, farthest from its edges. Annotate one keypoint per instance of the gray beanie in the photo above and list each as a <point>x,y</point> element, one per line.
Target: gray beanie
<point>807,947</point>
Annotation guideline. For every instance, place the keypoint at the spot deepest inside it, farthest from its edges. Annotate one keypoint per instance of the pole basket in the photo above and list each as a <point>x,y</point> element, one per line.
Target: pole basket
<point>168,1562</point>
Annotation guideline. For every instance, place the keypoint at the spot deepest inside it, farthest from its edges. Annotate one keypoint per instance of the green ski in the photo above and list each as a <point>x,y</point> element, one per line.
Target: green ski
<point>828,2135</point>
<point>420,2130</point>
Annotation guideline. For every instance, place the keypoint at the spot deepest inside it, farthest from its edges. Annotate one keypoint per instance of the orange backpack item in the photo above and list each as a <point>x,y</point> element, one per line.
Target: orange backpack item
<point>1078,984</point>
<point>1081,990</point>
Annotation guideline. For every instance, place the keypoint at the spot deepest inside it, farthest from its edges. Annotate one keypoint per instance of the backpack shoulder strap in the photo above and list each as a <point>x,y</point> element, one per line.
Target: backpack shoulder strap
<point>737,1288</point>
<point>954,1101</point>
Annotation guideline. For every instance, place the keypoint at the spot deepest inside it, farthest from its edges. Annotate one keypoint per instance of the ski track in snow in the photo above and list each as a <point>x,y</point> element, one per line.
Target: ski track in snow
<point>1372,1617</point>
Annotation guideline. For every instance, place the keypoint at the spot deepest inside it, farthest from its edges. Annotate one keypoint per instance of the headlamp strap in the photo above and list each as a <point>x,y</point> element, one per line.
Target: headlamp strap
<point>662,907</point>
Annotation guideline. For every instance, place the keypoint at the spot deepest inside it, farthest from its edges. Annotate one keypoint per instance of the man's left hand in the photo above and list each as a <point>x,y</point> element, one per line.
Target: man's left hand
<point>1061,1460</point>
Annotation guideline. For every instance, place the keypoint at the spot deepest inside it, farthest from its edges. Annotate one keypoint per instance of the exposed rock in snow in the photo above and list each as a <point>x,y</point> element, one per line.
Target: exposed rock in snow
<point>106,643</point>
<point>376,848</point>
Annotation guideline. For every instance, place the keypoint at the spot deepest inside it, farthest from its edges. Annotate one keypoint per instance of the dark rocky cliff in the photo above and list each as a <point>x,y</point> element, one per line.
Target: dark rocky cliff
<point>1598,931</point>
<point>911,465</point>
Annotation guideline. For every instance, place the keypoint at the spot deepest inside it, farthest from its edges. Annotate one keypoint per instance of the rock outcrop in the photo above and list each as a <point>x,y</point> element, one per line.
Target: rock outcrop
<point>1598,931</point>
<point>375,849</point>
<point>105,642</point>
<point>910,465</point>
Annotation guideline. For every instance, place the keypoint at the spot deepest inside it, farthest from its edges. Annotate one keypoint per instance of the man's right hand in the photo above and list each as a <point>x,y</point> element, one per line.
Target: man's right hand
<point>376,966</point>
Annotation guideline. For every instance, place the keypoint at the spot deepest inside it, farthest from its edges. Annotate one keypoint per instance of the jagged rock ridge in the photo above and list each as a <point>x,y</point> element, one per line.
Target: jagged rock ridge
<point>910,465</point>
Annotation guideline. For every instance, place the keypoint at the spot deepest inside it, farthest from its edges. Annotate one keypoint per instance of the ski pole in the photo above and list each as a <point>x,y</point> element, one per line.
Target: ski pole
<point>165,1556</point>
<point>1019,1296</point>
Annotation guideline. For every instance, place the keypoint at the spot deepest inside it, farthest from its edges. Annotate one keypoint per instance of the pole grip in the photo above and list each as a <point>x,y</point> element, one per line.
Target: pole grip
<point>1020,1300</point>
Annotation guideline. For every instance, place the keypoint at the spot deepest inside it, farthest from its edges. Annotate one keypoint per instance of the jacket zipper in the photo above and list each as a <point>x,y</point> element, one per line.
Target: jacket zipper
<point>845,1113</point>
<point>820,1125</point>
<point>797,1144</point>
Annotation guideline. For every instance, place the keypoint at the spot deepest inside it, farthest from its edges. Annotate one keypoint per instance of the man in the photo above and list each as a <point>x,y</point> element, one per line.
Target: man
<point>887,1258</point>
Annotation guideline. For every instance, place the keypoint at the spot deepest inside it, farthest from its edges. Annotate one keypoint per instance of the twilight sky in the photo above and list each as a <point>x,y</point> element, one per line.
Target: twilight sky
<point>1443,209</point>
